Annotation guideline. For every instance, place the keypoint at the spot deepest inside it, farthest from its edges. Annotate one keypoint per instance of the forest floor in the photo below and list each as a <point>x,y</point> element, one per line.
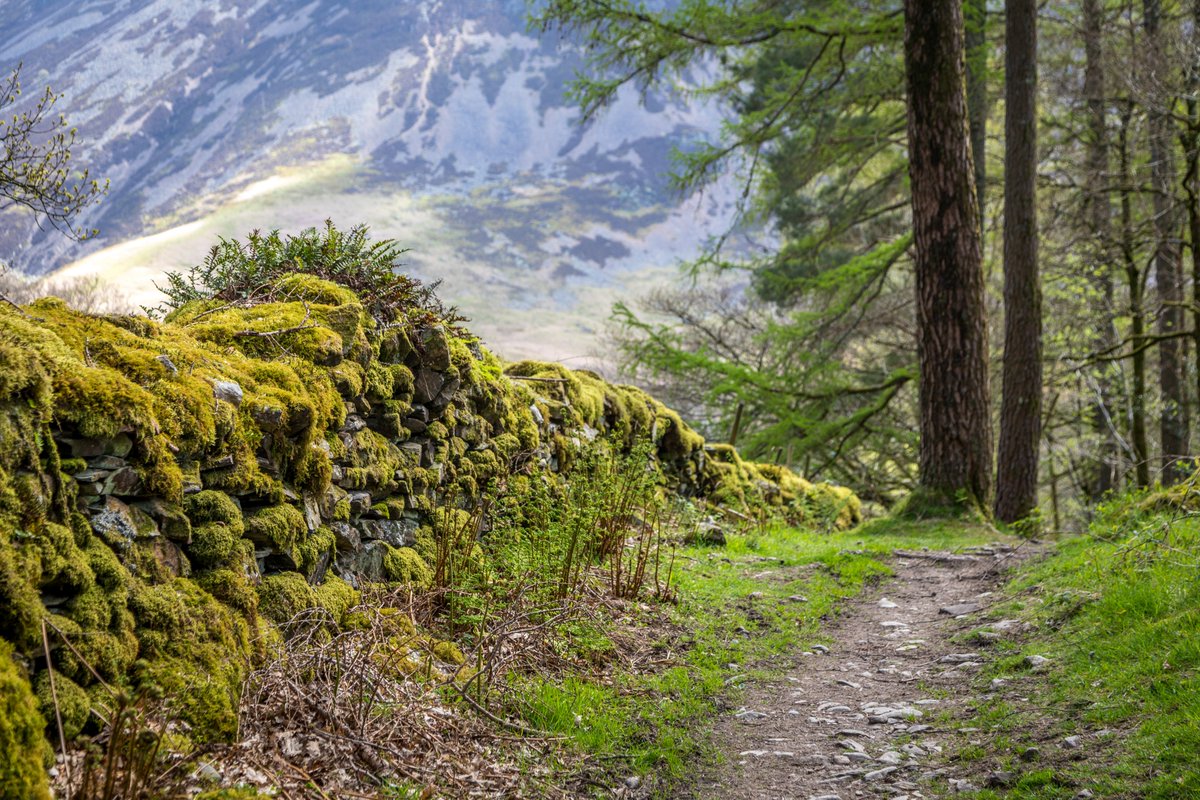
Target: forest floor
<point>884,709</point>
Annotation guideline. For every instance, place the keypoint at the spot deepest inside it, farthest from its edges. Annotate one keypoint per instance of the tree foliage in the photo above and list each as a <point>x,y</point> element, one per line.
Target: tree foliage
<point>36,170</point>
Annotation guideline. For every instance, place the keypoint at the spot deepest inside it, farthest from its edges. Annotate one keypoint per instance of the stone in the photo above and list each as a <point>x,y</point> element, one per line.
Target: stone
<point>1030,754</point>
<point>747,715</point>
<point>397,533</point>
<point>1001,779</point>
<point>1085,794</point>
<point>853,732</point>
<point>312,513</point>
<point>820,648</point>
<point>171,521</point>
<point>427,385</point>
<point>918,728</point>
<point>1072,743</point>
<point>434,348</point>
<point>123,483</point>
<point>958,609</point>
<point>885,603</point>
<point>346,536</point>
<point>797,598</point>
<point>446,395</point>
<point>851,745</point>
<point>633,782</point>
<point>228,391</point>
<point>360,502</point>
<point>267,418</point>
<point>120,524</point>
<point>708,533</point>
<point>1036,662</point>
<point>879,774</point>
<point>890,757</point>
<point>107,462</point>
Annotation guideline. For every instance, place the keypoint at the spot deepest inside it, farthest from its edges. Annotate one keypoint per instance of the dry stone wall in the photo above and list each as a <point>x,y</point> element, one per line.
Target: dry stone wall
<point>168,490</point>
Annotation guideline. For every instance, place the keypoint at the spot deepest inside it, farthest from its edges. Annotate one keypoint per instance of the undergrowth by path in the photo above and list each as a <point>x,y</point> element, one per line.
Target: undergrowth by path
<point>1114,711</point>
<point>744,609</point>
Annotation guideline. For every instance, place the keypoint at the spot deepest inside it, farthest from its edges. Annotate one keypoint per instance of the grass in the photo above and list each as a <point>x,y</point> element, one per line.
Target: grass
<point>735,622</point>
<point>1118,613</point>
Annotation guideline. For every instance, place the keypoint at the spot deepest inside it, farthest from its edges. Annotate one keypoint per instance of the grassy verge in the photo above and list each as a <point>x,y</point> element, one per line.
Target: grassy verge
<point>1117,613</point>
<point>743,610</point>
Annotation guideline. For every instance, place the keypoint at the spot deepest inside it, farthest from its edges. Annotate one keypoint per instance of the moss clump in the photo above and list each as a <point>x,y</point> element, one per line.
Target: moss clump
<point>405,565</point>
<point>191,643</point>
<point>74,705</point>
<point>280,527</point>
<point>284,596</point>
<point>22,745</point>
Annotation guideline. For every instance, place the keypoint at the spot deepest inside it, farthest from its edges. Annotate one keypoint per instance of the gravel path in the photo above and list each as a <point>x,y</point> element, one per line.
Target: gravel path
<point>863,718</point>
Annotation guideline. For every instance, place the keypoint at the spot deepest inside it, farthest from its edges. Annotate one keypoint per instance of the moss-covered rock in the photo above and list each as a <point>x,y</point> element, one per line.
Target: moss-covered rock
<point>22,743</point>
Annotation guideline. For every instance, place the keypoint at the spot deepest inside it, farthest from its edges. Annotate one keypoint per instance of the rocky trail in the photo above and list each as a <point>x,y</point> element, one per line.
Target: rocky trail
<point>880,710</point>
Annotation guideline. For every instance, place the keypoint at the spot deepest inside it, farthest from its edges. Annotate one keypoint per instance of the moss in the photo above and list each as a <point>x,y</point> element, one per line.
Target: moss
<point>282,527</point>
<point>74,705</point>
<point>312,547</point>
<point>211,506</point>
<point>22,746</point>
<point>405,565</point>
<point>213,544</point>
<point>197,650</point>
<point>449,653</point>
<point>281,597</point>
<point>285,595</point>
<point>231,588</point>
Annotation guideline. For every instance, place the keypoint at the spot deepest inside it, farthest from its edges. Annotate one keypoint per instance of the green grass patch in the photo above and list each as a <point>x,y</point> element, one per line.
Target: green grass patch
<point>1118,614</point>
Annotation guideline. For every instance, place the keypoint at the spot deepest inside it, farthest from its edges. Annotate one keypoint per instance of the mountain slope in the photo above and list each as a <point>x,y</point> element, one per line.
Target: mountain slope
<point>279,114</point>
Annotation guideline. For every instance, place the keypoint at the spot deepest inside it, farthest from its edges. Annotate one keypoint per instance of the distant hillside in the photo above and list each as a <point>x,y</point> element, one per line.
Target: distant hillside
<point>442,124</point>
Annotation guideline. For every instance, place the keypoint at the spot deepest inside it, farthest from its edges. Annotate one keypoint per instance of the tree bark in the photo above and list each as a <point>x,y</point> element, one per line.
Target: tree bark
<point>1137,324</point>
<point>1191,180</point>
<point>975,29</point>
<point>1103,472</point>
<point>956,437</point>
<point>1021,404</point>
<point>1168,267</point>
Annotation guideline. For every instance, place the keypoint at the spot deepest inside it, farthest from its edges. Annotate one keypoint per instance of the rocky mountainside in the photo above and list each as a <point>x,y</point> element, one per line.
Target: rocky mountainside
<point>443,124</point>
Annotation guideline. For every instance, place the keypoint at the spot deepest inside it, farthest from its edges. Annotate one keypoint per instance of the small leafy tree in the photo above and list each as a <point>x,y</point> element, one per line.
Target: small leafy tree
<point>36,172</point>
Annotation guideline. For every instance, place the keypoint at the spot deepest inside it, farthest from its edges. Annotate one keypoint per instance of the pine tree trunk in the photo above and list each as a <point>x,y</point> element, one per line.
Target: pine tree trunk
<point>975,29</point>
<point>1137,324</point>
<point>1103,471</point>
<point>1192,181</point>
<point>956,437</point>
<point>1168,267</point>
<point>1021,404</point>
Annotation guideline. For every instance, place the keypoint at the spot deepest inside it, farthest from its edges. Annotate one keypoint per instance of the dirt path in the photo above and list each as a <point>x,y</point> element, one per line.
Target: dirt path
<point>862,718</point>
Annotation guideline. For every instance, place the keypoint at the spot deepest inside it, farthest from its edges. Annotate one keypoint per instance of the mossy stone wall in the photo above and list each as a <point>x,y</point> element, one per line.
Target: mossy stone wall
<point>170,491</point>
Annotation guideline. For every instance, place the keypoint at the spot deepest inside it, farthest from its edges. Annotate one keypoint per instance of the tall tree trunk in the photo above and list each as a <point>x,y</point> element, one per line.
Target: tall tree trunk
<point>956,436</point>
<point>1021,404</point>
<point>1168,269</point>
<point>1191,181</point>
<point>1137,325</point>
<point>1103,472</point>
<point>975,28</point>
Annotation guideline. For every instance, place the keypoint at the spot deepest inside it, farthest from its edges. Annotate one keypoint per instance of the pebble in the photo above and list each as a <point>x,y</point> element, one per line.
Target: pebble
<point>959,609</point>
<point>1072,742</point>
<point>1036,661</point>
<point>854,732</point>
<point>1001,779</point>
<point>892,623</point>
<point>851,684</point>
<point>860,757</point>
<point>879,774</point>
<point>958,658</point>
<point>798,598</point>
<point>633,781</point>
<point>890,757</point>
<point>825,797</point>
<point>850,744</point>
<point>918,728</point>
<point>820,648</point>
<point>839,759</point>
<point>885,603</point>
<point>1084,794</point>
<point>962,786</point>
<point>747,715</point>
<point>1030,754</point>
<point>998,682</point>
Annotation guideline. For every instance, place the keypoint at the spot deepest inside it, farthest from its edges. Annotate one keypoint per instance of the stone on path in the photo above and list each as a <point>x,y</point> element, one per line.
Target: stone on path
<point>958,609</point>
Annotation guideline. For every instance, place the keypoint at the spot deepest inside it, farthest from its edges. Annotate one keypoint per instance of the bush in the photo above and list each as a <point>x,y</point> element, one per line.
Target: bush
<point>249,273</point>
